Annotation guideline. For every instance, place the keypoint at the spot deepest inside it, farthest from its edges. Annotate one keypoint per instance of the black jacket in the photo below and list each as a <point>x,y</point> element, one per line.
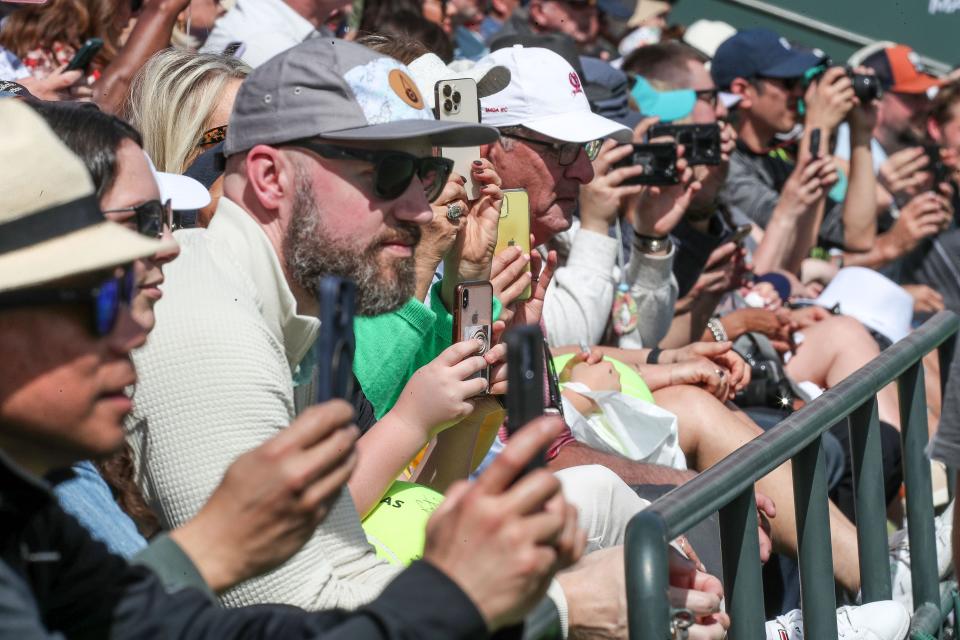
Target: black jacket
<point>56,581</point>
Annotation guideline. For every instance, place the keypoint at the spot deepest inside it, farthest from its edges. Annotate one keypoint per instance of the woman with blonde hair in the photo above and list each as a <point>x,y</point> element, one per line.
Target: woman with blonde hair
<point>181,101</point>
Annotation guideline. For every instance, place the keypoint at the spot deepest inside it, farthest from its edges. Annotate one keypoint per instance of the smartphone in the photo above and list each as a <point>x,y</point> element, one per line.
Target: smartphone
<point>459,100</point>
<point>473,317</point>
<point>738,234</point>
<point>659,162</point>
<point>336,343</point>
<point>525,392</point>
<point>701,142</point>
<point>815,144</point>
<point>513,228</point>
<point>936,166</point>
<point>85,55</point>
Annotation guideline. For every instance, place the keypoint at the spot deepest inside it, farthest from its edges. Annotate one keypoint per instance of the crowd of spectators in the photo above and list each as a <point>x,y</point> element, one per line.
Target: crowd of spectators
<point>179,175</point>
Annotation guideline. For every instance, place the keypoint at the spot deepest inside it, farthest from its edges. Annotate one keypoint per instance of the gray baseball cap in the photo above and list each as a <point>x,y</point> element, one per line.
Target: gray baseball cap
<point>338,90</point>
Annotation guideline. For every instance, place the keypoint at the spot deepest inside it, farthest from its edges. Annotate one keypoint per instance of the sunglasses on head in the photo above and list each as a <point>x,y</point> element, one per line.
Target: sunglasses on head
<point>105,300</point>
<point>393,170</point>
<point>151,217</point>
<point>212,136</point>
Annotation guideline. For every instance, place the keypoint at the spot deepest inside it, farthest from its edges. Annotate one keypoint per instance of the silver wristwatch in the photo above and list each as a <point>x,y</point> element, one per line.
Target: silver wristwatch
<point>652,244</point>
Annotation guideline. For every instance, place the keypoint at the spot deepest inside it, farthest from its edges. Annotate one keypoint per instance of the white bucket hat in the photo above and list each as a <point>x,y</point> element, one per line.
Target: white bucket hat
<point>873,299</point>
<point>429,69</point>
<point>545,95</point>
<point>51,225</point>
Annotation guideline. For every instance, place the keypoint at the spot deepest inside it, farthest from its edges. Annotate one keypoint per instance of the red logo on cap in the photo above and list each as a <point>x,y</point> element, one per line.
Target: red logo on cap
<point>575,82</point>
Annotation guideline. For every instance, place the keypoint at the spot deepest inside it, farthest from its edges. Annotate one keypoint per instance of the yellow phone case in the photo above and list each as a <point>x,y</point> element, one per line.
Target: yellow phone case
<point>514,226</point>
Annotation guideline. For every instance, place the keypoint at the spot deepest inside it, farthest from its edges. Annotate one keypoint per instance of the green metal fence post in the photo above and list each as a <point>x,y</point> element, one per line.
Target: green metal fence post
<point>647,577</point>
<point>742,580</point>
<point>813,529</point>
<point>916,475</point>
<point>945,355</point>
<point>870,502</point>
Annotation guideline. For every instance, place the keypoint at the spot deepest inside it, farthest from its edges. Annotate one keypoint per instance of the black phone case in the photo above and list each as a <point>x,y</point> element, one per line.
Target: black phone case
<point>815,137</point>
<point>701,142</point>
<point>336,343</point>
<point>525,401</point>
<point>659,160</point>
<point>85,55</point>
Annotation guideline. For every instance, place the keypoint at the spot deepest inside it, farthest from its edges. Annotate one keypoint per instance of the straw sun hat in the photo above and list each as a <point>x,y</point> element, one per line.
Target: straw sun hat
<point>51,225</point>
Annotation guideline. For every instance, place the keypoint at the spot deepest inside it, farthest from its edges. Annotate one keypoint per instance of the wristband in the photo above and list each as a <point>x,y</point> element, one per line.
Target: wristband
<point>716,328</point>
<point>651,244</point>
<point>654,356</point>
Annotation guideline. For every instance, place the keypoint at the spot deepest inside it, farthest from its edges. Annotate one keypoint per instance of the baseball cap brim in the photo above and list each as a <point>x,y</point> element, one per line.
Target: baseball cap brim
<point>93,248</point>
<point>793,66</point>
<point>579,127</point>
<point>438,133</point>
<point>919,84</point>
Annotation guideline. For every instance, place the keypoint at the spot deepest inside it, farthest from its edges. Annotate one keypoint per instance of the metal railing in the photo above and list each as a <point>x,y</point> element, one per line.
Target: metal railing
<point>728,487</point>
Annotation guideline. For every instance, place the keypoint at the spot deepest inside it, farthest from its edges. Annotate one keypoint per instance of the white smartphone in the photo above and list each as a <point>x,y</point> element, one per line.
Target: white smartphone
<point>459,100</point>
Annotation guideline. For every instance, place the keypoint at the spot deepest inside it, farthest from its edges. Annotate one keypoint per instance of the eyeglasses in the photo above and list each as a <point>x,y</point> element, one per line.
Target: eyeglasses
<point>567,152</point>
<point>710,96</point>
<point>393,170</point>
<point>151,217</point>
<point>212,136</point>
<point>105,300</point>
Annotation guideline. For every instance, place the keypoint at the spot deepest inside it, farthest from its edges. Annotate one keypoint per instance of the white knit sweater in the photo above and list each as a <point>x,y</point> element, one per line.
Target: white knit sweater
<point>215,380</point>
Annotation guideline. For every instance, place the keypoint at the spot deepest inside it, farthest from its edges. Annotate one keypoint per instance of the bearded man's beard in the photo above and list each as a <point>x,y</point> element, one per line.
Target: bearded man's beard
<point>383,284</point>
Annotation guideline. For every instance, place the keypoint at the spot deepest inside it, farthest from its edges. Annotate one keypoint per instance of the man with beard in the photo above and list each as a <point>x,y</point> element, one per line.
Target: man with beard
<point>328,171</point>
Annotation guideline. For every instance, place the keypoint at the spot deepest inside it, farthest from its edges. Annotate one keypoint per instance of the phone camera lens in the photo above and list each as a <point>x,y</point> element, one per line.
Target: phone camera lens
<point>456,96</point>
<point>447,91</point>
<point>465,301</point>
<point>447,105</point>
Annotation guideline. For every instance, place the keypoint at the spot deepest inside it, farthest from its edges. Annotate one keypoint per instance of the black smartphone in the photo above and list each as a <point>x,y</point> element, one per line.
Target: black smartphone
<point>525,400</point>
<point>336,342</point>
<point>235,49</point>
<point>659,162</point>
<point>815,144</point>
<point>85,54</point>
<point>701,142</point>
<point>935,165</point>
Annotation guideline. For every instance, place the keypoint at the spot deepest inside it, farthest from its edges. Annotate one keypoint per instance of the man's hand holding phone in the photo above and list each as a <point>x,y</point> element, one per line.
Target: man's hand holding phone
<point>601,199</point>
<point>503,537</point>
<point>659,209</point>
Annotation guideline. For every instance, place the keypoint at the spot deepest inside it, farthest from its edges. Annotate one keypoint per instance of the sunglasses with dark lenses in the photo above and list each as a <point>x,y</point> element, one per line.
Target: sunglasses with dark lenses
<point>105,300</point>
<point>710,96</point>
<point>566,152</point>
<point>393,170</point>
<point>151,218</point>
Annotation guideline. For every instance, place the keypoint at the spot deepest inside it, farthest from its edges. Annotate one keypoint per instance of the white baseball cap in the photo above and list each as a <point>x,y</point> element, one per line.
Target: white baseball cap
<point>706,36</point>
<point>183,192</point>
<point>545,95</point>
<point>873,299</point>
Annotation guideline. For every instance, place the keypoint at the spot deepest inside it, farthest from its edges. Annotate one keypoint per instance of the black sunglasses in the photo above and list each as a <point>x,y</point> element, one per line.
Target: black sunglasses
<point>393,170</point>
<point>710,96</point>
<point>105,300</point>
<point>151,217</point>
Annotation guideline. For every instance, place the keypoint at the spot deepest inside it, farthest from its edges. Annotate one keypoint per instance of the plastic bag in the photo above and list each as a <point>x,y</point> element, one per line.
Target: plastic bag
<point>627,426</point>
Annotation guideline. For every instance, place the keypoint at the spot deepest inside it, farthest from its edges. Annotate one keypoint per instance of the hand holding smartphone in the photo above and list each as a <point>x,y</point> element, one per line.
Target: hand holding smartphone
<point>659,162</point>
<point>336,343</point>
<point>473,318</point>
<point>815,144</point>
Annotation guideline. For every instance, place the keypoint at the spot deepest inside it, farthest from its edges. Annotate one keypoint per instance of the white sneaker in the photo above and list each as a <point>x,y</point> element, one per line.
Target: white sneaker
<point>900,557</point>
<point>883,620</point>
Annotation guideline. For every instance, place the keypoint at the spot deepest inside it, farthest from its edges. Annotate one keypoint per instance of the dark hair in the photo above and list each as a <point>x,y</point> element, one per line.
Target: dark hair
<point>91,134</point>
<point>95,136</point>
<point>665,62</point>
<point>415,27</point>
<point>402,47</point>
<point>375,14</point>
<point>942,106</point>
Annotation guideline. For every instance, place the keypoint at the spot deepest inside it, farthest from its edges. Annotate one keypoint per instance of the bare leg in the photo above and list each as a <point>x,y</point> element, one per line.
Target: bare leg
<point>709,432</point>
<point>833,349</point>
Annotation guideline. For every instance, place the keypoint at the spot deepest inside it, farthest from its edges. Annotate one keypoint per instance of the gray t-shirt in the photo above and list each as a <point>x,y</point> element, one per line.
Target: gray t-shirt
<point>945,446</point>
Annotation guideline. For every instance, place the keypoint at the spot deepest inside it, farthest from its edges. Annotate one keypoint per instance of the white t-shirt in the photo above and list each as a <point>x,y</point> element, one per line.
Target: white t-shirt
<point>265,27</point>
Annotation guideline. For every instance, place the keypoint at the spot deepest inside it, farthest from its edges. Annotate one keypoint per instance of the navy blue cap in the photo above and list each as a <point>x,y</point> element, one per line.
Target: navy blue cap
<point>615,9</point>
<point>759,52</point>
